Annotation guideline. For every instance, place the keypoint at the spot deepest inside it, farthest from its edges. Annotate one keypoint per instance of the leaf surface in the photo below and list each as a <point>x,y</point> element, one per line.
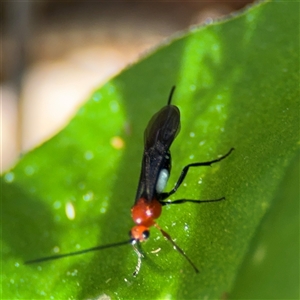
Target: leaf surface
<point>237,86</point>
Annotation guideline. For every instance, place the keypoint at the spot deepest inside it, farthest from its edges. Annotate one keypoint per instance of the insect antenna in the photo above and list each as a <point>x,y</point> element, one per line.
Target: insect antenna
<point>58,256</point>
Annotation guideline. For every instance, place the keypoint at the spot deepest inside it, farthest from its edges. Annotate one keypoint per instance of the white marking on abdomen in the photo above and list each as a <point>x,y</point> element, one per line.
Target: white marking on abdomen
<point>162,180</point>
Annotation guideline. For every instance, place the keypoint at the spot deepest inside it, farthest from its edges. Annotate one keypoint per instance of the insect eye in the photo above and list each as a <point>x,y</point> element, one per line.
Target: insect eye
<point>146,234</point>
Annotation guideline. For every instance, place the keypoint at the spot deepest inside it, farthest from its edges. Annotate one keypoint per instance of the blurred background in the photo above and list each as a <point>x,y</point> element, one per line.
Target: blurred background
<point>55,53</point>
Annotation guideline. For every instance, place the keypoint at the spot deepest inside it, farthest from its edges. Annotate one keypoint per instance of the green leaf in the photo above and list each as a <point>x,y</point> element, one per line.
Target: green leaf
<point>272,264</point>
<point>237,86</point>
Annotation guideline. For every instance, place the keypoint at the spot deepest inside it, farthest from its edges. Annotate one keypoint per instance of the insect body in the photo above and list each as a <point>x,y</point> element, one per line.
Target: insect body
<point>160,133</point>
<point>156,166</point>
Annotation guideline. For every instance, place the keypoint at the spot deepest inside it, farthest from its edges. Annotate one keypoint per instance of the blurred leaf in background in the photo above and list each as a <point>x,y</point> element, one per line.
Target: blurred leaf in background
<point>237,86</point>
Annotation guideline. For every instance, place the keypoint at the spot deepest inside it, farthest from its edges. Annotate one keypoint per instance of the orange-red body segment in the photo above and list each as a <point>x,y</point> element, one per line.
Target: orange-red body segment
<point>144,215</point>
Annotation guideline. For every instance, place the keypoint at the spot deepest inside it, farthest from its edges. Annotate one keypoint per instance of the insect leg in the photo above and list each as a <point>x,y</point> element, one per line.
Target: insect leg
<point>168,237</point>
<point>179,201</point>
<point>185,171</point>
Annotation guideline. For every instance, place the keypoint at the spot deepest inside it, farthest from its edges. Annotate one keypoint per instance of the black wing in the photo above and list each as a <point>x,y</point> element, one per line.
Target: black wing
<point>163,127</point>
<point>161,131</point>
